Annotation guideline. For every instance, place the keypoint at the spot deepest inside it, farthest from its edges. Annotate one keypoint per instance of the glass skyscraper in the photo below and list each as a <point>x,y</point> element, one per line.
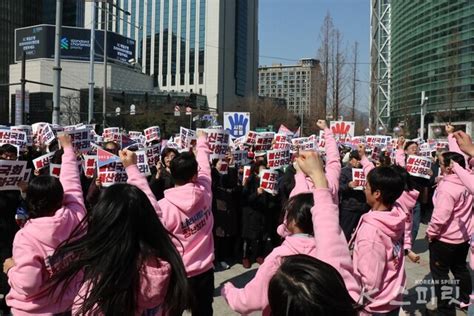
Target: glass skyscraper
<point>202,46</point>
<point>432,50</point>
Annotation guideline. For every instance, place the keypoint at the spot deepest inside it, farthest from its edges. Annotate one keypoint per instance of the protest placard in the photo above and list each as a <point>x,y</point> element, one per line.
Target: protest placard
<point>112,173</point>
<point>277,159</point>
<point>240,157</point>
<point>223,167</point>
<point>111,134</point>
<point>11,172</point>
<point>152,133</point>
<point>54,170</point>
<point>17,138</point>
<point>46,134</point>
<point>135,135</point>
<point>358,177</point>
<point>304,143</point>
<point>246,175</point>
<point>281,141</point>
<point>89,165</point>
<point>342,130</point>
<point>377,140</point>
<point>418,166</point>
<point>142,162</point>
<point>264,141</point>
<point>425,150</point>
<point>28,132</point>
<point>250,138</point>
<point>81,139</point>
<point>268,181</point>
<point>187,137</point>
<point>153,154</point>
<point>43,161</point>
<point>218,140</point>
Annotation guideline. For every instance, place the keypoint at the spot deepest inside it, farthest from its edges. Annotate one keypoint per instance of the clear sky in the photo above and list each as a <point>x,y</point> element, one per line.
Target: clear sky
<point>289,29</point>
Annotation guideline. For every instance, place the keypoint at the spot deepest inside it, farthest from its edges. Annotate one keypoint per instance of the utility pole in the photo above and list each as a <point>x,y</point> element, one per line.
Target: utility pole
<point>90,114</point>
<point>23,86</point>
<point>104,90</point>
<point>57,63</point>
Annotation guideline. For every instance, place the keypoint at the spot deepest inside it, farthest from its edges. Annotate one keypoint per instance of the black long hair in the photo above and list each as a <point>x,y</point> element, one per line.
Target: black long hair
<point>306,286</point>
<point>44,196</point>
<point>111,245</point>
<point>298,209</point>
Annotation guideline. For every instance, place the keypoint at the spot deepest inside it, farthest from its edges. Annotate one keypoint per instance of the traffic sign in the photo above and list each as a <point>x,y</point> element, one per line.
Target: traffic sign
<point>177,110</point>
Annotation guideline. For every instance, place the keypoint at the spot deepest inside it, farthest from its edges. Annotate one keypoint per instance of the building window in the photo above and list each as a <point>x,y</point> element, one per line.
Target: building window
<point>192,42</point>
<point>240,67</point>
<point>202,38</point>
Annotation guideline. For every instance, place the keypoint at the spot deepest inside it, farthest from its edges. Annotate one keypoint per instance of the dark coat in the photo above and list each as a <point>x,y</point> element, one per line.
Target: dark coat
<point>225,201</point>
<point>158,186</point>
<point>352,203</point>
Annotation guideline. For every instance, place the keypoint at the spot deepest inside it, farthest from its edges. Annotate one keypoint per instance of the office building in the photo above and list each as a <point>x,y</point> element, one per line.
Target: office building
<point>208,47</point>
<point>299,85</point>
<point>13,14</point>
<point>429,48</point>
<point>73,12</point>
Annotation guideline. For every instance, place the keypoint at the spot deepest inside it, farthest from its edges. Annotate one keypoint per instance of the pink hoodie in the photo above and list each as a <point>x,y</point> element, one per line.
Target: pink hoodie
<point>466,177</point>
<point>400,157</point>
<point>37,240</point>
<point>186,212</point>
<point>328,245</point>
<point>254,296</point>
<point>453,146</point>
<point>378,253</point>
<point>304,184</point>
<point>452,213</point>
<point>154,281</point>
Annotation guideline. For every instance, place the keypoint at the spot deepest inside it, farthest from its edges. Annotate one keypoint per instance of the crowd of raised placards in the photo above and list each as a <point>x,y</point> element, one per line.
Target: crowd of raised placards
<point>129,223</point>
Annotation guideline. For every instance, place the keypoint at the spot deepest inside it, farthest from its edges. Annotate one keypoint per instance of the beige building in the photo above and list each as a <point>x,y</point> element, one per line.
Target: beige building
<point>298,84</point>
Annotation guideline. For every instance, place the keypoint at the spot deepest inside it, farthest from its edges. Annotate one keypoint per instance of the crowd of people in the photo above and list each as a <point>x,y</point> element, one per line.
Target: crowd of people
<point>323,244</point>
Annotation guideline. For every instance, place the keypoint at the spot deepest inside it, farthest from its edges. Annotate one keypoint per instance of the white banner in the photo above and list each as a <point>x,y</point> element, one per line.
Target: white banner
<point>277,159</point>
<point>268,181</point>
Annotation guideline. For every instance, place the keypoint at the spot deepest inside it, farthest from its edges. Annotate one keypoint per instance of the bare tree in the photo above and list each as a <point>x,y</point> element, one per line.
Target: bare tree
<point>355,53</point>
<point>325,56</point>
<point>70,109</point>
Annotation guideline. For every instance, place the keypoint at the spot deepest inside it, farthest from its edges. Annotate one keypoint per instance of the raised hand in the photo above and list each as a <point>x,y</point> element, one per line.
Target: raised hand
<point>449,129</point>
<point>311,164</point>
<point>322,124</point>
<point>64,140</point>
<point>128,157</point>
<point>201,133</point>
<point>464,142</point>
<point>401,142</point>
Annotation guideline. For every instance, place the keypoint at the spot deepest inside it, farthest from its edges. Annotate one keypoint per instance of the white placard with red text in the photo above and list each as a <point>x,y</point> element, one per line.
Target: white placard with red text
<point>111,134</point>
<point>269,180</point>
<point>153,154</point>
<point>246,175</point>
<point>89,165</point>
<point>418,166</point>
<point>112,173</point>
<point>28,132</point>
<point>342,130</point>
<point>81,139</point>
<point>277,159</point>
<point>240,157</point>
<point>281,141</point>
<point>54,170</point>
<point>43,161</point>
<point>152,133</point>
<point>358,177</point>
<point>17,138</point>
<point>11,172</point>
<point>264,141</point>
<point>218,140</point>
<point>142,162</point>
<point>377,140</point>
<point>186,137</point>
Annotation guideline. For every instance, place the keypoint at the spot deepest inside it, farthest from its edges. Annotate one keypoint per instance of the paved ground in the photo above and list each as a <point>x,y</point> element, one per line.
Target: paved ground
<point>416,273</point>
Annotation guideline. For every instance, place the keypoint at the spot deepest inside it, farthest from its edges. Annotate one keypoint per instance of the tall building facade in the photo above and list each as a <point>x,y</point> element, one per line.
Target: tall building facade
<point>73,12</point>
<point>432,50</point>
<point>297,84</point>
<point>208,47</point>
<point>380,78</point>
<point>13,14</point>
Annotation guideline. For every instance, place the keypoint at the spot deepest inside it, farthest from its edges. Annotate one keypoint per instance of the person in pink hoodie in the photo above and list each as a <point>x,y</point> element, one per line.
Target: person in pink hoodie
<point>253,297</point>
<point>124,256</point>
<point>378,241</point>
<point>55,208</point>
<point>449,233</point>
<point>186,211</point>
<point>303,184</point>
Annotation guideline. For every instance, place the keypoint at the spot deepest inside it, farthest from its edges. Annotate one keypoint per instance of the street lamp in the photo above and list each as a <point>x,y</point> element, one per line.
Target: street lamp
<point>106,27</point>
<point>424,100</point>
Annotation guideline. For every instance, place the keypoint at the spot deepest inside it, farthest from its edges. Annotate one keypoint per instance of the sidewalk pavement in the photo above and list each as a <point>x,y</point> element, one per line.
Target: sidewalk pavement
<point>418,288</point>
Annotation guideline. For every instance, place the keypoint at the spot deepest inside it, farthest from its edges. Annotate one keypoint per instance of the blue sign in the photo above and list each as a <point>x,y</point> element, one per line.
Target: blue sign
<point>237,123</point>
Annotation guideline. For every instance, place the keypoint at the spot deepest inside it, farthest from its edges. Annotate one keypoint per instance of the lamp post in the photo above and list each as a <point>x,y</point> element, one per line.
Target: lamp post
<point>424,99</point>
<point>90,112</point>
<point>57,63</point>
<point>106,27</point>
